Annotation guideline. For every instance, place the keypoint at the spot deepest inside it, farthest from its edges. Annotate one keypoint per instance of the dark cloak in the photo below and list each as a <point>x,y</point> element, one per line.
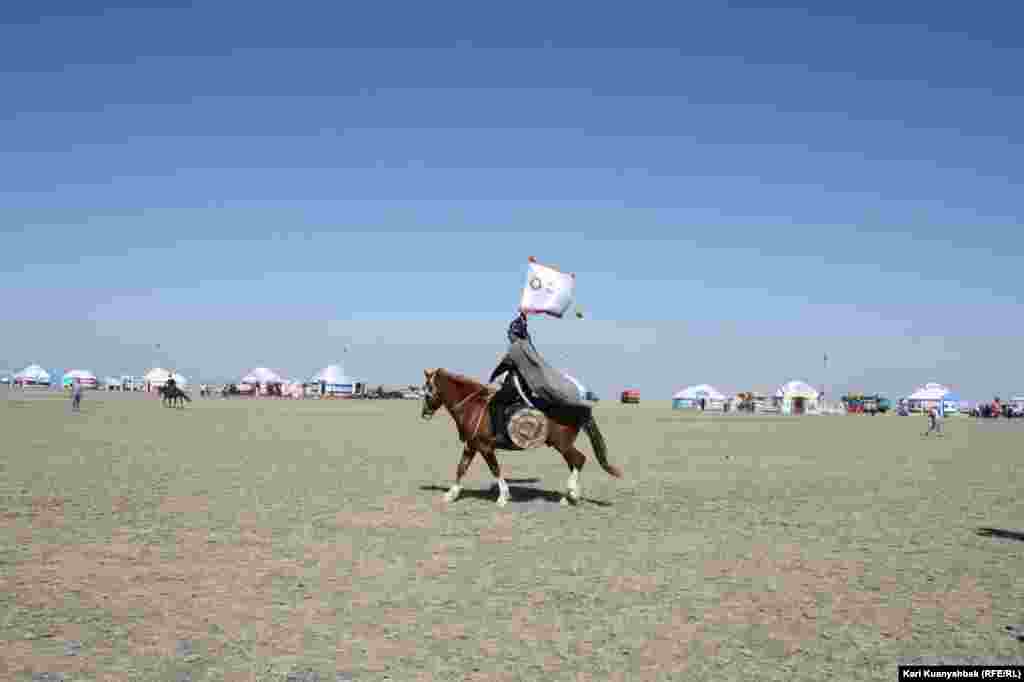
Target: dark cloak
<point>543,380</point>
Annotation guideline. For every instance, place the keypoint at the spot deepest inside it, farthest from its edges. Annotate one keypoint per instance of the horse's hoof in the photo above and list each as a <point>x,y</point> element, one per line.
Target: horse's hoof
<point>502,501</point>
<point>564,501</point>
<point>449,497</point>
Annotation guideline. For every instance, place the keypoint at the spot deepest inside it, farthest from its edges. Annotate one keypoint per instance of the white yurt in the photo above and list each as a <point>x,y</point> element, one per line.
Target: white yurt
<point>259,380</point>
<point>86,378</point>
<point>797,397</point>
<point>158,376</point>
<point>332,381</point>
<point>689,398</point>
<point>929,395</point>
<point>33,375</point>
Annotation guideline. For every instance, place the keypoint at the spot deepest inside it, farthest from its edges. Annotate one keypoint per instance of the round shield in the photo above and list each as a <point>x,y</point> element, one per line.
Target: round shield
<point>528,428</point>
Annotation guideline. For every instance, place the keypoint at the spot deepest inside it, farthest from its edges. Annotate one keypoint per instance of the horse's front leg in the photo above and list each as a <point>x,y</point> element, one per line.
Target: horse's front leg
<point>468,453</point>
<point>492,462</point>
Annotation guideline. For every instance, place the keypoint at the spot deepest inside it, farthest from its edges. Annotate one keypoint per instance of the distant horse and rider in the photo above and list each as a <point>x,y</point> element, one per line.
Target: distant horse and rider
<point>172,396</point>
<point>535,399</point>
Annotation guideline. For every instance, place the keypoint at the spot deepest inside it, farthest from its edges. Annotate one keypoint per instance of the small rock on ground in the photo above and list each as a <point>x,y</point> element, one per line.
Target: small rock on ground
<point>183,648</point>
<point>303,676</point>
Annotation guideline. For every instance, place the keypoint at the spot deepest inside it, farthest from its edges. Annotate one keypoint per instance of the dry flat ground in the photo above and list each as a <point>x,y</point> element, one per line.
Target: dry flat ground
<point>274,540</point>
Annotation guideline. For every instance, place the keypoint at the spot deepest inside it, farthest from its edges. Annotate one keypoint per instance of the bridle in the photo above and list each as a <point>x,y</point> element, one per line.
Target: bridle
<point>430,395</point>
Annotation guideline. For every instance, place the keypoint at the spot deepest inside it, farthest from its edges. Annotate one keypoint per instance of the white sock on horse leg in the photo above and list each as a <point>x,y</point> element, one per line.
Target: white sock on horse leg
<point>573,484</point>
<point>453,492</point>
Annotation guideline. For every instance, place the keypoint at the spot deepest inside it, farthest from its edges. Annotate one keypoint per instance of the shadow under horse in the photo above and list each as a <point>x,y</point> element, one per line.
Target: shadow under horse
<point>468,401</point>
<point>172,396</point>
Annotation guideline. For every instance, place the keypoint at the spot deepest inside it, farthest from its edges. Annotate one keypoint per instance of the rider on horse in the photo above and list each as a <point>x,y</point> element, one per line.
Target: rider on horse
<point>547,388</point>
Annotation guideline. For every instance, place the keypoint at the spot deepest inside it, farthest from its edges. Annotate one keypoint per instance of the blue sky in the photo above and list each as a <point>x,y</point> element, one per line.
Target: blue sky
<point>739,188</point>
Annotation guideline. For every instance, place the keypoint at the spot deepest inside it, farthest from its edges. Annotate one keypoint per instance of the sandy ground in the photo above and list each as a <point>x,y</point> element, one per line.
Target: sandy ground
<point>307,540</point>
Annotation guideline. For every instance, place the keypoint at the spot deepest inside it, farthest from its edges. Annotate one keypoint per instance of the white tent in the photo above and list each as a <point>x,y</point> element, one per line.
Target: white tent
<point>930,394</point>
<point>691,396</point>
<point>33,375</point>
<point>797,397</point>
<point>334,381</point>
<point>262,376</point>
<point>84,376</point>
<point>931,391</point>
<point>158,376</point>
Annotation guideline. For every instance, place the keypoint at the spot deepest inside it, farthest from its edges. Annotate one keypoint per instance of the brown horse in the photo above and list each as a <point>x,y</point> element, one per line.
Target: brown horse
<point>467,401</point>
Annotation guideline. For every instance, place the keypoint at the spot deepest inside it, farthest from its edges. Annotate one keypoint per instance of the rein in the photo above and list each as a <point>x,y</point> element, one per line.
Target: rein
<point>467,399</point>
<point>454,410</point>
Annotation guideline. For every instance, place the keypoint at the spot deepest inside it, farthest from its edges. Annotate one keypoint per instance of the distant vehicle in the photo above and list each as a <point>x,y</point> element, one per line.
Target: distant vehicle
<point>866,404</point>
<point>5,380</point>
<point>630,397</point>
<point>591,396</point>
<point>411,395</point>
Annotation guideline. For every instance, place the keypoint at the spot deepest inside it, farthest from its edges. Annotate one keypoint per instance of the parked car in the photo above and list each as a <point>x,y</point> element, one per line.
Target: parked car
<point>630,397</point>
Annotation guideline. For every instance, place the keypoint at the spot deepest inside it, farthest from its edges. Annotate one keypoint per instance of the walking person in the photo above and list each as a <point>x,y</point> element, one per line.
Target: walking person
<point>76,395</point>
<point>935,418</point>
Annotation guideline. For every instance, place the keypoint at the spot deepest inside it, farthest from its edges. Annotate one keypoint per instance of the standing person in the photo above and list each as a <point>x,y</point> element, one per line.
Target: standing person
<point>940,416</point>
<point>76,395</point>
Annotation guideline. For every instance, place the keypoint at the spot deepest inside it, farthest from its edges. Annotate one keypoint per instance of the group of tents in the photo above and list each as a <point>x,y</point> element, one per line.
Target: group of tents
<point>794,397</point>
<point>36,376</point>
<point>799,397</point>
<point>331,381</point>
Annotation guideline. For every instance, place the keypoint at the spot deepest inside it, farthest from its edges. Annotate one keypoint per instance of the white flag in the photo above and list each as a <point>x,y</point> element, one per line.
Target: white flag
<point>547,290</point>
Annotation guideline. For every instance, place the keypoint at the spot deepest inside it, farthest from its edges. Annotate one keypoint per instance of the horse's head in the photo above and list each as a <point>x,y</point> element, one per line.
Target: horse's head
<point>432,398</point>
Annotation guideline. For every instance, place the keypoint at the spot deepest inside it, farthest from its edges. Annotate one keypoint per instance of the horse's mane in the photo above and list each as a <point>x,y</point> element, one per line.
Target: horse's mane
<point>457,378</point>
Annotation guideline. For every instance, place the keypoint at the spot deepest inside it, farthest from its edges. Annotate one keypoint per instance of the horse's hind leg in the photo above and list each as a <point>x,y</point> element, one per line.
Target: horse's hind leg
<point>467,458</point>
<point>575,459</point>
<point>492,462</point>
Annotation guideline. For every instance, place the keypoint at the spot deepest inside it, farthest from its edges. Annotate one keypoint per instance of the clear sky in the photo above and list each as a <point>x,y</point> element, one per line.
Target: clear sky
<point>740,189</point>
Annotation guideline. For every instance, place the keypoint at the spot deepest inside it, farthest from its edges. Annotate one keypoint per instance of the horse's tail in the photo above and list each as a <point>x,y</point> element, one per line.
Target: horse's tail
<point>185,396</point>
<point>600,447</point>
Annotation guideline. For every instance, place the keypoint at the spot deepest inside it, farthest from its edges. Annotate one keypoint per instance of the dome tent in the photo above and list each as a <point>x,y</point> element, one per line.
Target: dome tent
<point>690,397</point>
<point>262,376</point>
<point>33,375</point>
<point>929,395</point>
<point>260,380</point>
<point>86,378</point>
<point>797,397</point>
<point>158,376</point>
<point>333,381</point>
